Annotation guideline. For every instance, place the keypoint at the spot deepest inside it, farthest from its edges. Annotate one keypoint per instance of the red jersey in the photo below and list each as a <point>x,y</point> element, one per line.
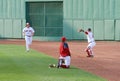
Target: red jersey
<point>64,49</point>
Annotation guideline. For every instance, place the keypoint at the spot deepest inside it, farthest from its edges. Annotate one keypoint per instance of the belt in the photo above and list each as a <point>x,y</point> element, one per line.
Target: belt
<point>91,41</point>
<point>28,36</point>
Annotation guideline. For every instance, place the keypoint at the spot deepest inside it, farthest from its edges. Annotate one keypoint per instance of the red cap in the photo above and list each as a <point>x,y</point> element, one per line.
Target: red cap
<point>63,39</point>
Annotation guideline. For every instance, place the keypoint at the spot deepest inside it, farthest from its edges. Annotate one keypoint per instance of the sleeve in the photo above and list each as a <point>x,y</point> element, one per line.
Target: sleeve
<point>66,49</point>
<point>86,32</point>
<point>33,30</point>
<point>23,30</point>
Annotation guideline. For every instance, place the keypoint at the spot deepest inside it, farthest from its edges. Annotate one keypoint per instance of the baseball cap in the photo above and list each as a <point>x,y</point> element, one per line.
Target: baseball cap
<point>63,39</point>
<point>27,23</point>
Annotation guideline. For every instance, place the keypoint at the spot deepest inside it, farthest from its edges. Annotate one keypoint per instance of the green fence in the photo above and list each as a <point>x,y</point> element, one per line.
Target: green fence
<point>52,19</point>
<point>45,17</point>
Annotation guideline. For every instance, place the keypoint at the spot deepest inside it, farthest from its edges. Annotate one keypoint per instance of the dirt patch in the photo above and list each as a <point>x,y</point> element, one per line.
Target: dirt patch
<point>106,62</point>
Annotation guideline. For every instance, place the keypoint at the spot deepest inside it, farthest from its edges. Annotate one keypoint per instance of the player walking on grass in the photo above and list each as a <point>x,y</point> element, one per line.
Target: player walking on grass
<point>91,42</point>
<point>28,32</point>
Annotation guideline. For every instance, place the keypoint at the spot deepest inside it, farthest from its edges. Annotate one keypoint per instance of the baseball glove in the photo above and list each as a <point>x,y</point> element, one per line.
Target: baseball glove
<point>80,30</point>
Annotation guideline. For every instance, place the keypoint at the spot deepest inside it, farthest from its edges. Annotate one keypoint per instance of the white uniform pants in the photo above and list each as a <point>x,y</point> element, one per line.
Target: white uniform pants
<point>67,60</point>
<point>28,42</point>
<point>90,46</point>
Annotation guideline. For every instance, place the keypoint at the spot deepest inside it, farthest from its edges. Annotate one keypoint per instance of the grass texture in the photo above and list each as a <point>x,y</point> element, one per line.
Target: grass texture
<point>18,65</point>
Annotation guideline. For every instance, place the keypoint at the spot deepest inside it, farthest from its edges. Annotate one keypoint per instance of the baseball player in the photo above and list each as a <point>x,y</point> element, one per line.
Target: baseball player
<point>91,42</point>
<point>28,32</point>
<point>65,56</point>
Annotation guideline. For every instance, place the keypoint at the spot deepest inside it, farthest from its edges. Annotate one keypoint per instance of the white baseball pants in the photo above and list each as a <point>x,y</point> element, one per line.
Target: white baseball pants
<point>28,42</point>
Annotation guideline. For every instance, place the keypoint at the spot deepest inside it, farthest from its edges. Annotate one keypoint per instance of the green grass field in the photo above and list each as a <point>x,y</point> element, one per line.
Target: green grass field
<point>18,65</point>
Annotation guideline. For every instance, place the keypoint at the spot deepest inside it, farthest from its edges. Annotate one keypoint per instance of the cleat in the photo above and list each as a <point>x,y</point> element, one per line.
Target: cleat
<point>27,50</point>
<point>88,56</point>
<point>58,66</point>
<point>91,55</point>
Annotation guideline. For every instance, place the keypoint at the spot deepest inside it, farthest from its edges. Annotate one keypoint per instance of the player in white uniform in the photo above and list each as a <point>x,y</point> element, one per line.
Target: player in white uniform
<point>91,42</point>
<point>28,32</point>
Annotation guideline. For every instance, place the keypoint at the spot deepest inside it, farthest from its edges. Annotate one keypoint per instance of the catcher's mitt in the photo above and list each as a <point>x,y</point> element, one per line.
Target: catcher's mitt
<point>80,30</point>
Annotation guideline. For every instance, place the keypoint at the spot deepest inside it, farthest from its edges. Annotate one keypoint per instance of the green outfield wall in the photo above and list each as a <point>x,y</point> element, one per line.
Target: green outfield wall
<point>52,19</point>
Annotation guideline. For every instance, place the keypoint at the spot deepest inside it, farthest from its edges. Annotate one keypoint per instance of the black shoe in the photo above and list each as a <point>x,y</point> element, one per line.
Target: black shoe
<point>91,55</point>
<point>58,66</point>
<point>88,56</point>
